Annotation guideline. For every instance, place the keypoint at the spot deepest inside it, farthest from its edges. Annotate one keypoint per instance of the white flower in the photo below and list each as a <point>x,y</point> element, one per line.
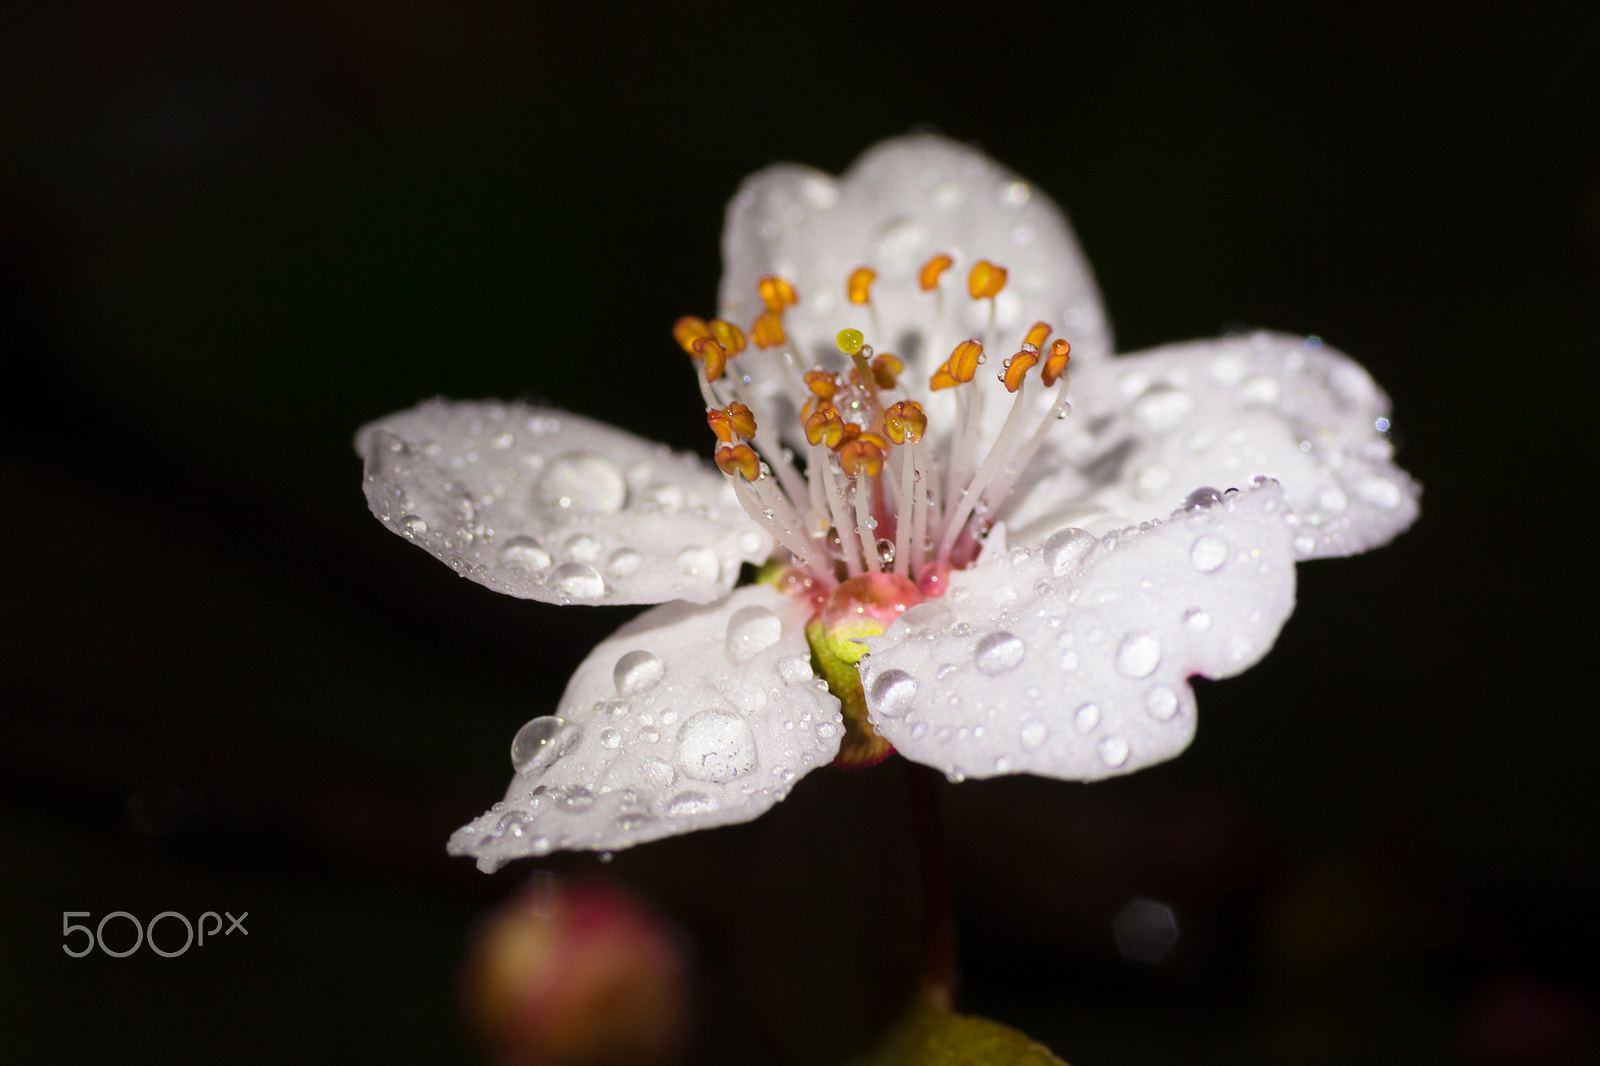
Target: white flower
<point>1034,580</point>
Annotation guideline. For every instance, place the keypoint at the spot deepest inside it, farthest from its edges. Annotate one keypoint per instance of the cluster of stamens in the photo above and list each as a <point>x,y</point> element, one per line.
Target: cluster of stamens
<point>868,498</point>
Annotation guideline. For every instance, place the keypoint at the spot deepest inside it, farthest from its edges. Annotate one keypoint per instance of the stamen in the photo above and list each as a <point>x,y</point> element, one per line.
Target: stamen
<point>960,368</point>
<point>687,330</point>
<point>824,426</point>
<point>712,354</point>
<point>738,459</point>
<point>776,293</point>
<point>905,423</point>
<point>985,280</point>
<point>1055,364</point>
<point>731,422</point>
<point>861,453</point>
<point>929,277</point>
<point>728,335</point>
<point>885,369</point>
<point>823,383</point>
<point>767,330</point>
<point>859,285</point>
<point>1017,367</point>
<point>1037,334</point>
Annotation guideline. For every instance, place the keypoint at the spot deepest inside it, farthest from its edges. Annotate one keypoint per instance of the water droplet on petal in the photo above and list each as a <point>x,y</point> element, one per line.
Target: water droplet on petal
<point>1161,702</point>
<point>579,580</point>
<point>1260,390</point>
<point>1379,491</point>
<point>542,741</point>
<point>582,483</point>
<point>524,552</point>
<point>610,738</point>
<point>1201,498</point>
<point>623,562</point>
<point>795,669</point>
<point>751,631</point>
<point>999,652</point>
<point>1305,544</point>
<point>1067,550</point>
<point>1197,619</point>
<point>512,823</point>
<point>716,746</point>
<point>582,548</point>
<point>415,525</point>
<point>928,618</point>
<point>699,562</point>
<point>686,803</point>
<point>1032,734</point>
<point>1162,407</point>
<point>1086,717</point>
<point>892,693</point>
<point>1138,655</point>
<point>636,672</point>
<point>1113,751</point>
<point>1208,552</point>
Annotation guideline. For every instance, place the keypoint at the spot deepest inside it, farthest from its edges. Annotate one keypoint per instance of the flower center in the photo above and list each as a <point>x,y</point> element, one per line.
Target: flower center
<point>880,503</point>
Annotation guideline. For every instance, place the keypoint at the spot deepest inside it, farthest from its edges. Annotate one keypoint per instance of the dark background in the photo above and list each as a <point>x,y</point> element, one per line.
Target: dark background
<point>230,234</point>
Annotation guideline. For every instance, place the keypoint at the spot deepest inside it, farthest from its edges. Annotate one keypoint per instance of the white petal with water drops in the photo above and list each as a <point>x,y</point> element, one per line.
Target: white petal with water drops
<point>1105,648</point>
<point>688,717</point>
<point>551,506</point>
<point>1262,404</point>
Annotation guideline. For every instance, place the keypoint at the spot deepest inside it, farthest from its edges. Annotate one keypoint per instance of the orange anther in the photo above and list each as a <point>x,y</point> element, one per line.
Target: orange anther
<point>823,383</point>
<point>929,278</point>
<point>942,378</point>
<point>739,459</point>
<point>732,422</point>
<point>728,335</point>
<point>862,454</point>
<point>824,426</point>
<point>767,332</point>
<point>859,287</point>
<point>1017,367</point>
<point>986,280</point>
<point>713,354</point>
<point>1037,335</point>
<point>963,362</point>
<point>905,421</point>
<point>885,368</point>
<point>1055,364</point>
<point>687,330</point>
<point>776,293</point>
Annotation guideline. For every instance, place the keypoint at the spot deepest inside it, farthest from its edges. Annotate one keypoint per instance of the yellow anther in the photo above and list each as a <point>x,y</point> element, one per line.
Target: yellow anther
<point>776,293</point>
<point>732,422</point>
<point>942,378</point>
<point>823,383</point>
<point>1055,364</point>
<point>986,280</point>
<point>850,341</point>
<point>929,278</point>
<point>714,355</point>
<point>728,335</point>
<point>859,287</point>
<point>963,362</point>
<point>687,330</point>
<point>885,368</point>
<point>1037,334</point>
<point>824,426</point>
<point>739,459</point>
<point>862,454</point>
<point>1017,368</point>
<point>767,331</point>
<point>905,421</point>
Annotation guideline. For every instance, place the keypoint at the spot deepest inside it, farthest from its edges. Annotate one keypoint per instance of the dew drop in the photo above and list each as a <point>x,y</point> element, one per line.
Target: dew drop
<point>610,738</point>
<point>579,580</point>
<point>1113,751</point>
<point>751,631</point>
<point>1086,717</point>
<point>1202,498</point>
<point>1379,491</point>
<point>700,562</point>
<point>999,652</point>
<point>1260,390</point>
<point>512,823</point>
<point>1332,498</point>
<point>415,525</point>
<point>524,552</point>
<point>1032,734</point>
<point>1162,407</point>
<point>927,618</point>
<point>1305,544</point>
<point>636,672</point>
<point>795,669</point>
<point>581,548</point>
<point>1138,655</point>
<point>1161,702</point>
<point>577,798</point>
<point>665,497</point>
<point>687,803</point>
<point>892,693</point>
<point>716,746</point>
<point>542,741</point>
<point>1208,552</point>
<point>623,562</point>
<point>582,483</point>
<point>1197,619</point>
<point>1067,550</point>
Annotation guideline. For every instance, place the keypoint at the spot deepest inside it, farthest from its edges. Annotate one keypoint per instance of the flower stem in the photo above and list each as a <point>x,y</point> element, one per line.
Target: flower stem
<point>941,966</point>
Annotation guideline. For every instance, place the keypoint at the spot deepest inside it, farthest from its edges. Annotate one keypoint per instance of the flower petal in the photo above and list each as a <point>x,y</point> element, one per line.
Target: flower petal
<point>1071,660</point>
<point>1149,429</point>
<point>551,506</point>
<point>688,717</point>
<point>903,202</point>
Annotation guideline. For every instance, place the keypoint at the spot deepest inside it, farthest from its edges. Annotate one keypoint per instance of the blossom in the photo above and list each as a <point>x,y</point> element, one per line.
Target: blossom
<point>991,566</point>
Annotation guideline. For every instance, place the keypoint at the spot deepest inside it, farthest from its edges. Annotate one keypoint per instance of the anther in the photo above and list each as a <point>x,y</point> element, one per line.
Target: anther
<point>905,421</point>
<point>1017,367</point>
<point>823,383</point>
<point>862,454</point>
<point>859,287</point>
<point>732,422</point>
<point>886,367</point>
<point>739,459</point>
<point>986,280</point>
<point>687,330</point>
<point>728,335</point>
<point>1055,364</point>
<point>929,278</point>
<point>963,362</point>
<point>1037,334</point>
<point>776,293</point>
<point>714,355</point>
<point>767,331</point>
<point>850,341</point>
<point>824,426</point>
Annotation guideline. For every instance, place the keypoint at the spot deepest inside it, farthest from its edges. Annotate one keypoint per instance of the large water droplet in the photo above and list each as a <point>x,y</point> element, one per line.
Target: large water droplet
<point>637,672</point>
<point>542,741</point>
<point>698,562</point>
<point>1086,717</point>
<point>1197,619</point>
<point>999,652</point>
<point>1068,549</point>
<point>685,803</point>
<point>1379,491</point>
<point>927,618</point>
<point>891,693</point>
<point>414,524</point>
<point>1138,655</point>
<point>751,631</point>
<point>1161,702</point>
<point>1162,407</point>
<point>716,746</point>
<point>581,548</point>
<point>795,669</point>
<point>1201,498</point>
<point>1208,552</point>
<point>1032,734</point>
<point>1113,751</point>
<point>610,738</point>
<point>582,483</point>
<point>623,562</point>
<point>525,553</point>
<point>579,580</point>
